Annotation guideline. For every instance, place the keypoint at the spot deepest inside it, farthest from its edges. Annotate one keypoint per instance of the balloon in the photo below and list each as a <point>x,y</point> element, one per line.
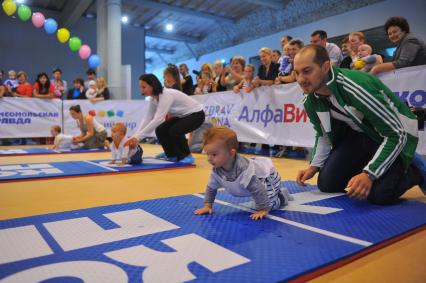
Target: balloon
<point>24,12</point>
<point>94,61</point>
<point>50,26</point>
<point>74,43</point>
<point>9,7</point>
<point>84,51</point>
<point>63,35</point>
<point>38,19</point>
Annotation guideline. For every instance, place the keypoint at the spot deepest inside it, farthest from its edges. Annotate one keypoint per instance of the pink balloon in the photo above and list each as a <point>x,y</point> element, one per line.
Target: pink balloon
<point>38,19</point>
<point>84,51</point>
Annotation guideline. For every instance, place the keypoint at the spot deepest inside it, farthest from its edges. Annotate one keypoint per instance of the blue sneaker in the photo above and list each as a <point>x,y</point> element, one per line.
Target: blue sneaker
<point>420,163</point>
<point>189,160</point>
<point>161,155</point>
<point>171,159</point>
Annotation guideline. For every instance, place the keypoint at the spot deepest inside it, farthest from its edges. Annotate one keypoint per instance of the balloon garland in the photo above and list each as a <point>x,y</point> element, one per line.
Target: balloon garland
<point>51,26</point>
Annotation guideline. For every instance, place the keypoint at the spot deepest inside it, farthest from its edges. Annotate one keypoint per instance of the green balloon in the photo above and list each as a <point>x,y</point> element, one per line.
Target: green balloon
<point>74,43</point>
<point>24,12</point>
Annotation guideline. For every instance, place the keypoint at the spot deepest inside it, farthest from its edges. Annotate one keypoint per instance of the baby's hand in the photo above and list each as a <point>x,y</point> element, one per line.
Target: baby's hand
<point>112,162</point>
<point>204,210</point>
<point>259,214</point>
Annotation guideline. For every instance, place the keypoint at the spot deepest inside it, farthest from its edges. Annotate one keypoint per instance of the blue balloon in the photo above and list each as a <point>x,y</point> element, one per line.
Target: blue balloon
<point>50,26</point>
<point>94,61</point>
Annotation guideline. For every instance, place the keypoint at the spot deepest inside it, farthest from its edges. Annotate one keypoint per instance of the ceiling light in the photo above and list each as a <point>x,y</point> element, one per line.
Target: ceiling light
<point>169,27</point>
<point>124,19</point>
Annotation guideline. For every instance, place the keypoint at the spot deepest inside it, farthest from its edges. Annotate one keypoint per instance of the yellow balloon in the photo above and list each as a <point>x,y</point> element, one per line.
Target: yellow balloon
<point>9,7</point>
<point>63,35</point>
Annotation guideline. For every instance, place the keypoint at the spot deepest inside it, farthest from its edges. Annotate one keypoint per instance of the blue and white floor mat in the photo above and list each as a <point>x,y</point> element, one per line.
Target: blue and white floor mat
<point>42,151</point>
<point>161,240</point>
<point>22,172</point>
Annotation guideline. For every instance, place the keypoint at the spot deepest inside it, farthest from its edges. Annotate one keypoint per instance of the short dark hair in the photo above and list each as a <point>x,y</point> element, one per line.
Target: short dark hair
<point>400,22</point>
<point>320,53</point>
<point>76,108</point>
<point>277,51</point>
<point>2,72</point>
<point>56,70</point>
<point>288,37</point>
<point>184,65</point>
<point>152,81</point>
<point>345,40</point>
<point>297,42</point>
<point>321,33</point>
<point>91,72</point>
<point>79,80</point>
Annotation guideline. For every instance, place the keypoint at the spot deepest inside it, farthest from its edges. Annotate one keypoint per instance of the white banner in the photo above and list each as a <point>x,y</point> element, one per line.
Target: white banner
<point>409,84</point>
<point>28,117</point>
<point>109,112</point>
<point>270,115</point>
<point>274,116</point>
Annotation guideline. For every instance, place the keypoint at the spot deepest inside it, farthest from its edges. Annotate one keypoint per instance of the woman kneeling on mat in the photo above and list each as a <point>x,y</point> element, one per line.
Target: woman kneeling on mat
<point>93,134</point>
<point>186,116</point>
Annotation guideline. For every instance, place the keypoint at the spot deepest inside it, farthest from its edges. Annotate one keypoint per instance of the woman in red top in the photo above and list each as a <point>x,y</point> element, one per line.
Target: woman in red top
<point>24,88</point>
<point>42,87</point>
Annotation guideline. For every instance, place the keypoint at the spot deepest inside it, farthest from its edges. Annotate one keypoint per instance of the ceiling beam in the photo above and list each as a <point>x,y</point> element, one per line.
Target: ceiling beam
<point>187,11</point>
<point>172,36</point>
<point>160,50</point>
<point>269,3</point>
<point>73,11</point>
<point>162,58</point>
<point>192,51</point>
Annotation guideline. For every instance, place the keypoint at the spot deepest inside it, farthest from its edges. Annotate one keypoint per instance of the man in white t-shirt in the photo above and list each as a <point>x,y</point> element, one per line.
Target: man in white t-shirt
<point>319,37</point>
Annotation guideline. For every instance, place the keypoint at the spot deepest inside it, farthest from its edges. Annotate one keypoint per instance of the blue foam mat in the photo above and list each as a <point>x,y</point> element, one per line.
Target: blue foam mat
<point>41,151</point>
<point>16,172</point>
<point>273,251</point>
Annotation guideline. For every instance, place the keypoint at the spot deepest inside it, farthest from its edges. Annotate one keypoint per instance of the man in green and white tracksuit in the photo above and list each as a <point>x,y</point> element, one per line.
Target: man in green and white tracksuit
<point>366,137</point>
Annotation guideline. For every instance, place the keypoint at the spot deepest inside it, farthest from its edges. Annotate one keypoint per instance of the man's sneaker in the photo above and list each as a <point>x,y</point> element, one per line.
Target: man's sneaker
<point>189,160</point>
<point>161,155</point>
<point>420,163</point>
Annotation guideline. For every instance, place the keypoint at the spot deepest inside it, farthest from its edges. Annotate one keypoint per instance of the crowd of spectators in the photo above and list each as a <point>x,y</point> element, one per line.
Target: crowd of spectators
<point>276,66</point>
<point>19,85</point>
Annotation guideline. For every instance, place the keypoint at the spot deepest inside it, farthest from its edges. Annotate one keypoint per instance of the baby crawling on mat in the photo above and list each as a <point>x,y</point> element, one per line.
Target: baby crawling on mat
<point>61,140</point>
<point>121,152</point>
<point>239,175</point>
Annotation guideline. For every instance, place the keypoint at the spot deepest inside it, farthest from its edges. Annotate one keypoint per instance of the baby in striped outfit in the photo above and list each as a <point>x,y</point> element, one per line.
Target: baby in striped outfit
<point>240,176</point>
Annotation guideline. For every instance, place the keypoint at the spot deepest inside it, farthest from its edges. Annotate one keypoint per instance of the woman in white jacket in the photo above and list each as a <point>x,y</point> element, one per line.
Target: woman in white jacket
<point>186,116</point>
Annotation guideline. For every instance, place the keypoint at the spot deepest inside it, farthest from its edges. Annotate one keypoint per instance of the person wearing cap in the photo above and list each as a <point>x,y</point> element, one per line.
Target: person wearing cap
<point>60,85</point>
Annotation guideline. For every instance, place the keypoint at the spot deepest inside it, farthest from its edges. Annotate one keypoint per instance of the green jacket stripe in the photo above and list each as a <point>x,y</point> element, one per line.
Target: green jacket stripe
<point>374,108</point>
<point>380,109</point>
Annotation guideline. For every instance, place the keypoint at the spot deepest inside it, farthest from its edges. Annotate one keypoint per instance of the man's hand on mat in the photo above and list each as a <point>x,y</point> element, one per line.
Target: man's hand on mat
<point>111,162</point>
<point>306,174</point>
<point>204,210</point>
<point>259,214</point>
<point>131,143</point>
<point>359,186</point>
